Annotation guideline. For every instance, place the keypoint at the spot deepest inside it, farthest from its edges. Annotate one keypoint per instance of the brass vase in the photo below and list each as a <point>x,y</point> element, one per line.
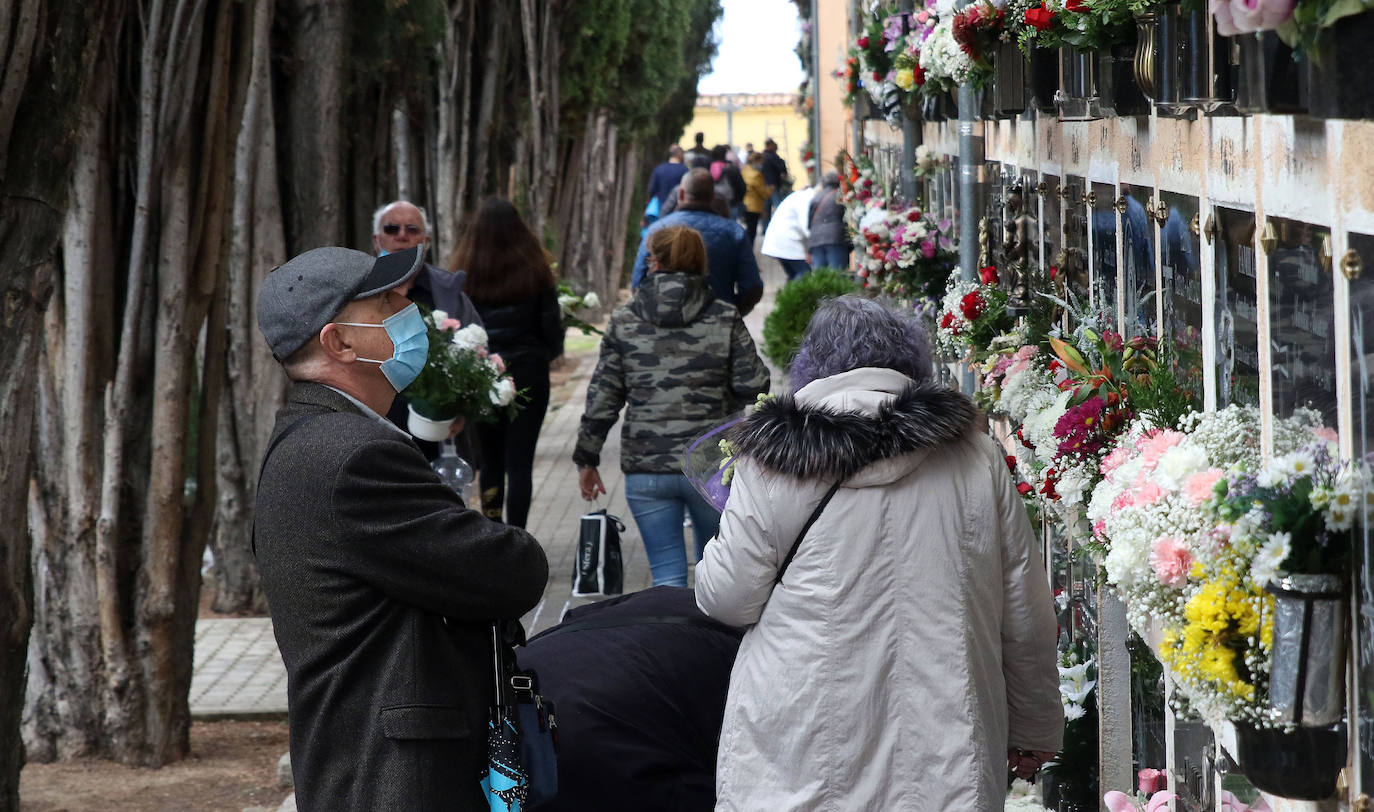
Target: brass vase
<point>1145,23</point>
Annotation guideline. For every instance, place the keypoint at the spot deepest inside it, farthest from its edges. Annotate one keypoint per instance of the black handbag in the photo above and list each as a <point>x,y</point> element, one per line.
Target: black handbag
<point>598,569</point>
<point>522,734</point>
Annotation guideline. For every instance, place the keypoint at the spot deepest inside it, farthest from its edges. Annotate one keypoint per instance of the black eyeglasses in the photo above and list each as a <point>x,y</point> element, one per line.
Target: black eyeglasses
<point>393,229</point>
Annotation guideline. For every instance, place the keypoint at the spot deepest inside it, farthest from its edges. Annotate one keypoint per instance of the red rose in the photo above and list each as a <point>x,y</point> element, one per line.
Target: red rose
<point>1054,271</point>
<point>972,305</point>
<point>863,42</point>
<point>1024,489</point>
<point>920,74</point>
<point>877,77</point>
<point>988,275</point>
<point>1011,462</point>
<point>1039,18</point>
<point>1076,6</point>
<point>913,216</point>
<point>947,321</point>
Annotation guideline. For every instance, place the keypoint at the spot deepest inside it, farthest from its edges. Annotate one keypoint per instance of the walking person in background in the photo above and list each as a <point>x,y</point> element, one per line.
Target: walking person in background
<point>827,237</point>
<point>755,194</point>
<point>775,175</point>
<point>679,361</point>
<point>906,658</point>
<point>785,238</point>
<point>512,285</point>
<point>397,226</point>
<point>729,182</point>
<point>733,271</point>
<point>698,157</point>
<point>666,176</point>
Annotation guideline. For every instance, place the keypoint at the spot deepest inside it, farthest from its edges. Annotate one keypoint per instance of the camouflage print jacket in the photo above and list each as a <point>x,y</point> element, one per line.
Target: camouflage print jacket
<point>680,362</point>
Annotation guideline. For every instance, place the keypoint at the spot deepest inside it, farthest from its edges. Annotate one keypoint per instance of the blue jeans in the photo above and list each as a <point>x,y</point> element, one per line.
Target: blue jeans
<point>657,502</point>
<point>835,255</point>
<point>795,268</point>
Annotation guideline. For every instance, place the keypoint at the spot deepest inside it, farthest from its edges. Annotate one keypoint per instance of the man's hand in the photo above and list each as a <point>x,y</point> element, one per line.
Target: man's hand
<point>1025,763</point>
<point>590,482</point>
<point>457,427</point>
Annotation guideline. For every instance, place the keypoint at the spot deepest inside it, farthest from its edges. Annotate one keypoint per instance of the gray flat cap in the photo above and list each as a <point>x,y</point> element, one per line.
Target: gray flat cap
<point>300,297</point>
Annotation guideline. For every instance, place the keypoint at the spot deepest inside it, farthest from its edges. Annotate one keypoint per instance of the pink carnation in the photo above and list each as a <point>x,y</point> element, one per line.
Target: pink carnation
<point>1148,493</point>
<point>1171,560</point>
<point>1198,487</point>
<point>1115,460</point>
<point>1152,446</point>
<point>1326,434</point>
<point>450,324</point>
<point>498,361</point>
<point>1100,528</point>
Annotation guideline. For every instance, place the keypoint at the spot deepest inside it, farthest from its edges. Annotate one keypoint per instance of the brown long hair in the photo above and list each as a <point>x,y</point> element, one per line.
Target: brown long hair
<point>678,248</point>
<point>503,258</point>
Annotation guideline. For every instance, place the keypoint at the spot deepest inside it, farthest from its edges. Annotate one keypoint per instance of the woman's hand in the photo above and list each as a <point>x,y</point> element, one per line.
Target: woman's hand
<point>1025,763</point>
<point>590,482</point>
<point>457,427</point>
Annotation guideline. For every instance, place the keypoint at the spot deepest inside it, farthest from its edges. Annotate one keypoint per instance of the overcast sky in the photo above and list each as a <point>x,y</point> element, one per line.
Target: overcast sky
<point>756,54</point>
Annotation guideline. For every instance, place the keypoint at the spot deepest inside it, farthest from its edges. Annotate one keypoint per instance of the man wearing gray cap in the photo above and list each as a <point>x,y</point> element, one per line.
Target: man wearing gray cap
<point>382,585</point>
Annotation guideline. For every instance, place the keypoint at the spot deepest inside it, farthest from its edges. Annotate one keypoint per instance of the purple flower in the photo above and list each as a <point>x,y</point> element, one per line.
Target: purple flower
<point>893,32</point>
<point>928,249</point>
<point>1079,429</point>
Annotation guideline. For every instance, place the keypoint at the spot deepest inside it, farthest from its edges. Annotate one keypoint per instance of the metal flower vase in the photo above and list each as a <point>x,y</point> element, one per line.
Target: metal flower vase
<point>1209,76</point>
<point>1077,97</point>
<point>1303,763</point>
<point>1044,77</point>
<point>1171,53</point>
<point>1307,676</point>
<point>1009,80</point>
<point>1271,81</point>
<point>1340,70</point>
<point>1117,86</point>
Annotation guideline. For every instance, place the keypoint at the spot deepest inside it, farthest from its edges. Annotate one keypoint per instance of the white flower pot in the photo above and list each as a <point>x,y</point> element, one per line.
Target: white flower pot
<point>436,431</point>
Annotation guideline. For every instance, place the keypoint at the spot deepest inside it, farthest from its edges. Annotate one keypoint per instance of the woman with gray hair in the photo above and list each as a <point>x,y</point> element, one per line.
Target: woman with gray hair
<point>827,236</point>
<point>902,634</point>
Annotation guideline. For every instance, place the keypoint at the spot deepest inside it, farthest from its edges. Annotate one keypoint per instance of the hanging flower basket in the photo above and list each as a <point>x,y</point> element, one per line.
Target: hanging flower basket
<point>1307,678</point>
<point>1303,763</point>
<point>1340,70</point>
<point>1270,80</point>
<point>1044,77</point>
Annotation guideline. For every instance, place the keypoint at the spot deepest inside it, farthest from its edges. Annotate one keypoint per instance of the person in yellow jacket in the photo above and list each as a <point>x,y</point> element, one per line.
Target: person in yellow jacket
<point>755,193</point>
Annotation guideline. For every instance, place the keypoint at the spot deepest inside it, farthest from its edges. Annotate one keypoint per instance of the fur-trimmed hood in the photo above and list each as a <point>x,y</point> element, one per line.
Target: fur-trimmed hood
<point>834,427</point>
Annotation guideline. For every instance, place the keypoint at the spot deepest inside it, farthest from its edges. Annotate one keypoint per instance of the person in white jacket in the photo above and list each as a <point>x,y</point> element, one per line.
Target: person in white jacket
<point>785,238</point>
<point>906,659</point>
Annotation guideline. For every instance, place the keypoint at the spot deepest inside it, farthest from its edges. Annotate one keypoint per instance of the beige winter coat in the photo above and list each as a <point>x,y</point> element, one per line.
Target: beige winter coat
<point>912,640</point>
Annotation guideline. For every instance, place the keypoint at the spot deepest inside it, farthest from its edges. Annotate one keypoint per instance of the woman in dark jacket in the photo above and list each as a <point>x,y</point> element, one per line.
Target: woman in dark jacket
<point>512,284</point>
<point>680,362</point>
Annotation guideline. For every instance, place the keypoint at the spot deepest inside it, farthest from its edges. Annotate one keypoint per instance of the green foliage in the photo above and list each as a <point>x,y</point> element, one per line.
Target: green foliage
<point>796,302</point>
<point>634,58</point>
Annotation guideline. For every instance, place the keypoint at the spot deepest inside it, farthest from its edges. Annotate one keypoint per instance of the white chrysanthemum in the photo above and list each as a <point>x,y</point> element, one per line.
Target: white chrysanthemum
<point>591,300</point>
<point>438,316</point>
<point>1072,712</point>
<point>1269,560</point>
<point>1179,463</point>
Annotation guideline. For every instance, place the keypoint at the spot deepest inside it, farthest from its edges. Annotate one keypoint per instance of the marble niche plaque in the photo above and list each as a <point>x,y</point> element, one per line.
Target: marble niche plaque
<point>1073,257</point>
<point>1237,308</point>
<point>990,222</point>
<point>1181,274</point>
<point>1102,213</point>
<point>1138,304</point>
<point>1362,409</point>
<point>1302,319</point>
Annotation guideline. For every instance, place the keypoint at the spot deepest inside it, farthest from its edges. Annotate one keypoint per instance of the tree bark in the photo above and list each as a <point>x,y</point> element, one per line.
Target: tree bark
<point>311,112</point>
<point>253,386</point>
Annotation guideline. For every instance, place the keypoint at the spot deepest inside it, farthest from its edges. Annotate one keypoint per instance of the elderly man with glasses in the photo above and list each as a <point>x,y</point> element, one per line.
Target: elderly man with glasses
<point>401,225</point>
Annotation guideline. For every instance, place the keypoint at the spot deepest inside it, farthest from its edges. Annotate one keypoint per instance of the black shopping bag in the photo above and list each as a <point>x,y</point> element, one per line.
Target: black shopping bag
<point>598,570</point>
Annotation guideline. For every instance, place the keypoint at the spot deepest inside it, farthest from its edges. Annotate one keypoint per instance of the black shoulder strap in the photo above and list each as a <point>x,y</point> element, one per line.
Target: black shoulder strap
<point>637,620</point>
<point>276,441</point>
<point>815,514</point>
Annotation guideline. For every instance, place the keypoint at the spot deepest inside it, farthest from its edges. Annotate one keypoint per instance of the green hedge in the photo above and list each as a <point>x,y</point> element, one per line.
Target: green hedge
<point>798,299</point>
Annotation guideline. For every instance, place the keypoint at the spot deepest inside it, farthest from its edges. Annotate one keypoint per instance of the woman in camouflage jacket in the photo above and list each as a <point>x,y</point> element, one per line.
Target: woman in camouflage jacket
<point>679,361</point>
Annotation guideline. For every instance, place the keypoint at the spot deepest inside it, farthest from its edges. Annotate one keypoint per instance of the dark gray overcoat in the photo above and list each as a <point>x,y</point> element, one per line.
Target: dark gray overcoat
<point>382,586</point>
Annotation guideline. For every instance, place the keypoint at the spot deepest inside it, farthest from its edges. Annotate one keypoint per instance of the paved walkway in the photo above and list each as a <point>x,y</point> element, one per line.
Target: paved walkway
<point>238,672</point>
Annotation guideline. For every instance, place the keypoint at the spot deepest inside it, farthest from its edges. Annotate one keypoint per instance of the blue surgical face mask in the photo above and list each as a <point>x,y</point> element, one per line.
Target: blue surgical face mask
<point>410,346</point>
